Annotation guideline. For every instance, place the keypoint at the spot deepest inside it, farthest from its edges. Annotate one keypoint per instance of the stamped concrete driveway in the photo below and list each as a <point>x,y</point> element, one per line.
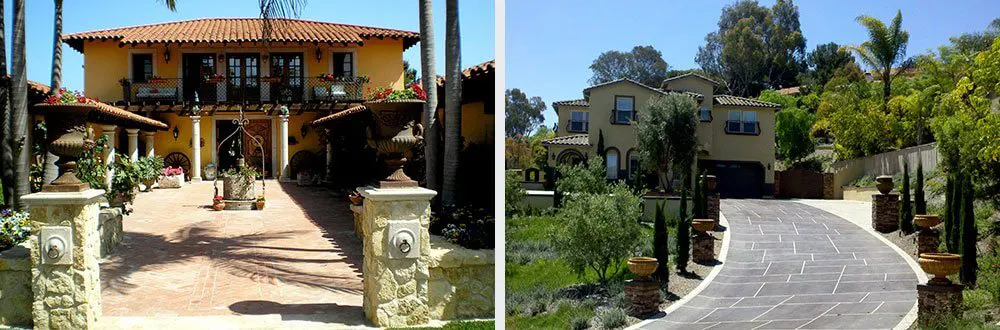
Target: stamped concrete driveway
<point>792,266</point>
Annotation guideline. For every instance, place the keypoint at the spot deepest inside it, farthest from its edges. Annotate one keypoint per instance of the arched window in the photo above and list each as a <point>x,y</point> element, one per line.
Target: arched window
<point>612,163</point>
<point>633,163</point>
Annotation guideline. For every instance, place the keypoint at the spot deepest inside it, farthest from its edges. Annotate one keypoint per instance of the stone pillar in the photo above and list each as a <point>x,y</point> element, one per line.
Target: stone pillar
<point>644,296</point>
<point>827,185</point>
<point>109,152</point>
<point>713,201</point>
<point>936,302</point>
<point>395,281</point>
<point>133,143</point>
<point>147,137</point>
<point>283,137</point>
<point>885,212</point>
<point>928,240</point>
<point>66,285</point>
<point>703,249</point>
<point>195,148</point>
<point>329,158</point>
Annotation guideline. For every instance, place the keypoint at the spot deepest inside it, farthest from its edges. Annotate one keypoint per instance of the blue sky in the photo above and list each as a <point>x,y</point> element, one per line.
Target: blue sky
<point>550,44</point>
<point>476,19</point>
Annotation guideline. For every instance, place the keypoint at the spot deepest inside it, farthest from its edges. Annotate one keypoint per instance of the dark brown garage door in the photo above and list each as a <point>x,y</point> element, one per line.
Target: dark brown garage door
<point>736,179</point>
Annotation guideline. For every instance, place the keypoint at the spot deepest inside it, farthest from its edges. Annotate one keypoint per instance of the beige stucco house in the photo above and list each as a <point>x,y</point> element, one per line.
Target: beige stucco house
<point>736,134</point>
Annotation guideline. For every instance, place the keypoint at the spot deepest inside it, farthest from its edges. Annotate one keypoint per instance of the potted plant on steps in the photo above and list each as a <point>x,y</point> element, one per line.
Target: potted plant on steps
<point>149,169</point>
<point>217,203</point>
<point>124,183</point>
<point>260,202</point>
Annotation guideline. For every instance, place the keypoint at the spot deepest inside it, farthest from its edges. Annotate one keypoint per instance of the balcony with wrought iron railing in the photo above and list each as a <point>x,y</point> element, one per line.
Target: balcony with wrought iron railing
<point>244,90</point>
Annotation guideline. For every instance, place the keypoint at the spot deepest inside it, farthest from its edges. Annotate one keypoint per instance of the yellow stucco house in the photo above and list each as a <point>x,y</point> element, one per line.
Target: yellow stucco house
<point>736,134</point>
<point>196,75</point>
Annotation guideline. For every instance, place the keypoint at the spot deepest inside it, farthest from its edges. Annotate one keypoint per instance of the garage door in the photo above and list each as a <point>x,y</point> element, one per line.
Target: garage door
<point>737,179</point>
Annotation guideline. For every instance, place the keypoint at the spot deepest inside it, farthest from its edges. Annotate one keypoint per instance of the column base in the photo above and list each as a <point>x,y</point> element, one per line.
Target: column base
<point>885,212</point>
<point>937,302</point>
<point>644,297</point>
<point>713,208</point>
<point>703,249</point>
<point>928,241</point>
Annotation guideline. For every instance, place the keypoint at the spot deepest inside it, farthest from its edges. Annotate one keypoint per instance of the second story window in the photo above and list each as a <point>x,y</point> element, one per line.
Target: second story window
<point>142,67</point>
<point>579,121</point>
<point>705,114</point>
<point>742,122</point>
<point>343,64</point>
<point>624,111</point>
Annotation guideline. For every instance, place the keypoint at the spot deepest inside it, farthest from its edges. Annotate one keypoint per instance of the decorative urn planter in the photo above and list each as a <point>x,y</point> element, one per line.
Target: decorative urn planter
<point>703,225</point>
<point>642,267</point>
<point>884,184</point>
<point>67,138</point>
<point>710,182</point>
<point>926,220</point>
<point>149,184</point>
<point>396,129</point>
<point>940,265</point>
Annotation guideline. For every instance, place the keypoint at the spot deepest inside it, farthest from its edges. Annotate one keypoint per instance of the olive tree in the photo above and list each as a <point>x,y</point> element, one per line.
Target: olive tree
<point>667,133</point>
<point>600,231</point>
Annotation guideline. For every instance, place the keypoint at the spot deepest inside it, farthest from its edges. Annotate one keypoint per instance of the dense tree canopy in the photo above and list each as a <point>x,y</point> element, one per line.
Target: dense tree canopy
<point>522,115</point>
<point>792,129</point>
<point>667,133</point>
<point>823,62</point>
<point>644,64</point>
<point>755,48</point>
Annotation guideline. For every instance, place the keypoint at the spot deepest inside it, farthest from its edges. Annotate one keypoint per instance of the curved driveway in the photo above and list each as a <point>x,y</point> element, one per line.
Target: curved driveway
<point>791,266</point>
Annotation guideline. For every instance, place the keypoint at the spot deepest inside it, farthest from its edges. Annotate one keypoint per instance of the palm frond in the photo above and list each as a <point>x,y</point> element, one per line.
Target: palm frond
<point>171,4</point>
<point>271,11</point>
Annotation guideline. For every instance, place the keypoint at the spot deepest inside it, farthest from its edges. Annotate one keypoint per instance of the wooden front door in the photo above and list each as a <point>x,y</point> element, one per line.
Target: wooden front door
<point>261,130</point>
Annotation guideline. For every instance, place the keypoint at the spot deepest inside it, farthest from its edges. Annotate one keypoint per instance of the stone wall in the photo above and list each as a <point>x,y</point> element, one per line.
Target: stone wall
<point>110,228</point>
<point>15,287</point>
<point>461,281</point>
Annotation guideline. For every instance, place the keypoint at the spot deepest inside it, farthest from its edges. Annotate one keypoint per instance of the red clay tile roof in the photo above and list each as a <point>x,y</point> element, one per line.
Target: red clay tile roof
<point>736,101</point>
<point>485,69</point>
<point>569,140</point>
<point>118,114</point>
<point>240,30</point>
<point>350,111</point>
<point>573,103</point>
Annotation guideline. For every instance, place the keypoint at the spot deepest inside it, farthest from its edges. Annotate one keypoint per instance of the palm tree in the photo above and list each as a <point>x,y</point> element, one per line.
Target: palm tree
<point>452,102</point>
<point>886,46</point>
<point>6,140</point>
<point>272,10</point>
<point>19,108</point>
<point>51,171</point>
<point>428,78</point>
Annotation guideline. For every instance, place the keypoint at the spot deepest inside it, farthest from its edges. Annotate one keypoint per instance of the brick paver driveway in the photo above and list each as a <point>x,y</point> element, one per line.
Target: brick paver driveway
<point>791,266</point>
<point>179,258</point>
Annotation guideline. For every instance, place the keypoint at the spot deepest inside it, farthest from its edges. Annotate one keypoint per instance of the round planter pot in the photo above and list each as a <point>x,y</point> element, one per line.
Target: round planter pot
<point>149,184</point>
<point>259,205</point>
<point>703,225</point>
<point>940,265</point>
<point>926,220</point>
<point>218,206</point>
<point>642,267</point>
<point>884,184</point>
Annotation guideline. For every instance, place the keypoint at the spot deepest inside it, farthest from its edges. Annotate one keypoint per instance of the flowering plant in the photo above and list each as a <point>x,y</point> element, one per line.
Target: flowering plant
<point>327,77</point>
<point>15,228</point>
<point>169,171</point>
<point>216,200</point>
<point>413,92</point>
<point>68,97</point>
<point>217,76</point>
<point>260,198</point>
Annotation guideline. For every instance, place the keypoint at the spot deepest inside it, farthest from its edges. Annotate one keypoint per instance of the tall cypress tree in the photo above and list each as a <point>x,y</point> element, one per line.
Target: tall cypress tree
<point>683,225</point>
<point>969,234</point>
<point>918,189</point>
<point>954,235</point>
<point>906,209</point>
<point>698,200</point>
<point>661,250</point>
<point>600,147</point>
<point>949,212</point>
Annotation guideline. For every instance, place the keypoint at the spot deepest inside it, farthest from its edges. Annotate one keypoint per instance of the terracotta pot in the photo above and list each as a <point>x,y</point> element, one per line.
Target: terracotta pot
<point>218,206</point>
<point>395,131</point>
<point>642,267</point>
<point>260,205</point>
<point>926,220</point>
<point>703,225</point>
<point>355,199</point>
<point>884,184</point>
<point>940,265</point>
<point>149,184</point>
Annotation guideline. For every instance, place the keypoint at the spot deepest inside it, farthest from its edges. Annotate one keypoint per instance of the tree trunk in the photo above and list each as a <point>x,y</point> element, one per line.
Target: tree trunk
<point>886,88</point>
<point>49,164</point>
<point>452,103</point>
<point>969,235</point>
<point>428,77</point>
<point>6,136</point>
<point>19,105</point>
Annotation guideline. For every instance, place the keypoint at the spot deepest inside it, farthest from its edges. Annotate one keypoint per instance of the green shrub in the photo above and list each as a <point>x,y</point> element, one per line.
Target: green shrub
<point>579,323</point>
<point>599,230</point>
<point>149,168</point>
<point>15,228</point>
<point>586,178</point>
<point>466,226</point>
<point>976,299</point>
<point>513,193</point>
<point>524,252</point>
<point>612,318</point>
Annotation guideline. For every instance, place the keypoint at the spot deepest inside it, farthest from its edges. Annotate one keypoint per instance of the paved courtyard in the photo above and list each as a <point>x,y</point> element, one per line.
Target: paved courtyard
<point>297,257</point>
<point>790,266</point>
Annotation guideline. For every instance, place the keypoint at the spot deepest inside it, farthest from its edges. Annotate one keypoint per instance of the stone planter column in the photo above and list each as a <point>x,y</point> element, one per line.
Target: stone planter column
<point>928,240</point>
<point>703,248</point>
<point>396,275</point>
<point>195,148</point>
<point>644,296</point>
<point>147,137</point>
<point>713,201</point>
<point>936,302</point>
<point>885,212</point>
<point>65,281</point>
<point>283,136</point>
<point>109,152</point>
<point>133,143</point>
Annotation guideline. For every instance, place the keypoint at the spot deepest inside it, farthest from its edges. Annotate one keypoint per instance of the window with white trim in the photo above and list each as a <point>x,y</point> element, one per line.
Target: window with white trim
<point>742,122</point>
<point>624,109</point>
<point>579,121</point>
<point>612,164</point>
<point>343,64</point>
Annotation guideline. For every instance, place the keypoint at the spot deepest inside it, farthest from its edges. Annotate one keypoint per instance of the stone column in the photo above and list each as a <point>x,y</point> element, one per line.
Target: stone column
<point>109,152</point>
<point>147,136</point>
<point>703,249</point>
<point>133,143</point>
<point>885,212</point>
<point>65,281</point>
<point>928,240</point>
<point>396,274</point>
<point>713,201</point>
<point>644,296</point>
<point>195,148</point>
<point>283,137</point>
<point>936,302</point>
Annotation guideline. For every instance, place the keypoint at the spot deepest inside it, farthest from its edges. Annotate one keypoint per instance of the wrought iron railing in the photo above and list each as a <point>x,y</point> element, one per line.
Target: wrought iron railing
<point>245,90</point>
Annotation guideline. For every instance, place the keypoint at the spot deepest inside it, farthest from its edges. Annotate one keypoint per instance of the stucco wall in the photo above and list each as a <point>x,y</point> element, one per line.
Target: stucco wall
<point>15,287</point>
<point>564,114</point>
<point>461,284</point>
